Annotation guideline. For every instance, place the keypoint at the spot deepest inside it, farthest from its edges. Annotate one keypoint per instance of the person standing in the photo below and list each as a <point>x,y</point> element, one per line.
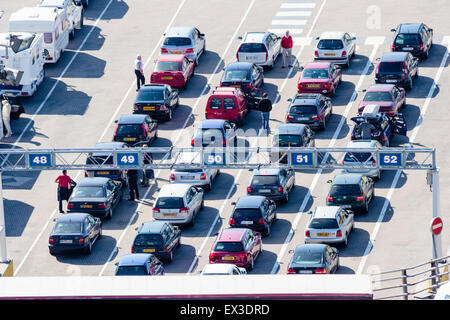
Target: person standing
<point>286,49</point>
<point>265,106</point>
<point>139,71</point>
<point>64,182</point>
<point>132,175</point>
<point>6,115</point>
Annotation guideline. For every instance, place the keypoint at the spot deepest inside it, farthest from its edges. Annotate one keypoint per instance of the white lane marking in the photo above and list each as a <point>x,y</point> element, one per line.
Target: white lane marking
<point>293,13</point>
<point>289,22</point>
<point>397,175</point>
<point>298,5</point>
<point>112,119</point>
<point>292,32</point>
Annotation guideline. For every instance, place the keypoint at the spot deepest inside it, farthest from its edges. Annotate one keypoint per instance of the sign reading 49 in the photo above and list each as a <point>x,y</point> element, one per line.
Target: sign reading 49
<point>127,159</point>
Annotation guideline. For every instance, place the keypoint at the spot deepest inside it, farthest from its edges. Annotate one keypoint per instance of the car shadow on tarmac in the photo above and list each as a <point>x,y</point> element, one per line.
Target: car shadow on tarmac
<point>281,73</point>
<point>435,57</point>
<point>94,43</point>
<point>179,117</point>
<point>116,10</point>
<point>387,177</point>
<point>411,114</point>
<point>194,87</point>
<point>344,270</point>
<point>207,65</point>
<point>343,94</point>
<point>357,65</point>
<point>278,232</point>
<point>264,263</point>
<point>182,260</point>
<point>421,88</point>
<point>17,214</point>
<point>220,187</point>
<point>87,66</point>
<point>375,207</point>
<point>332,124</point>
<point>356,245</point>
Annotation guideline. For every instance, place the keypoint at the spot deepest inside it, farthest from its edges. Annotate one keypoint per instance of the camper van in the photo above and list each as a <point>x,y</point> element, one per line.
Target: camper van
<point>22,53</point>
<point>51,22</point>
<point>73,9</point>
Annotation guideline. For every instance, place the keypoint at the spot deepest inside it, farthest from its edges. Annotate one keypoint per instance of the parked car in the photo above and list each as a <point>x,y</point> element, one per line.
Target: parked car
<point>275,184</point>
<point>389,97</point>
<point>97,196</point>
<point>227,104</point>
<point>398,68</point>
<point>362,158</point>
<point>244,75</point>
<point>254,212</point>
<point>214,133</point>
<point>74,232</point>
<point>222,270</point>
<point>320,77</point>
<point>178,204</point>
<point>261,48</point>
<point>336,47</point>
<point>239,246</point>
<point>102,158</point>
<point>136,128</point>
<point>158,238</point>
<point>291,135</point>
<point>173,69</point>
<point>313,110</point>
<point>139,264</point>
<point>184,40</point>
<point>313,259</point>
<point>416,38</point>
<point>157,100</point>
<point>329,225</point>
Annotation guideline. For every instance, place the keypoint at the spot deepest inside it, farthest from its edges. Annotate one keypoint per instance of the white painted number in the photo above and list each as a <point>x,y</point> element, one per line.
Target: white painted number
<point>127,159</point>
<point>390,159</point>
<point>215,159</point>
<point>302,158</point>
<point>39,160</point>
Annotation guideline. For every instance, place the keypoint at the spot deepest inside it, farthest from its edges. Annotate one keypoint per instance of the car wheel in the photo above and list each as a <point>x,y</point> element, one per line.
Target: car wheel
<point>409,85</point>
<point>170,115</point>
<point>366,208</point>
<point>179,243</point>
<point>417,73</point>
<point>333,93</point>
<point>208,186</point>
<point>324,124</point>
<point>267,231</point>
<point>378,177</point>
<point>344,243</point>
<point>51,252</point>
<point>109,214</point>
<point>286,198</point>
<point>72,34</point>
<point>337,265</point>
<point>89,248</point>
<point>121,196</point>
<point>260,248</point>
<point>252,264</point>
<point>170,258</point>
<point>100,233</point>
<point>347,64</point>
<point>275,218</point>
<point>202,205</point>
<point>178,103</point>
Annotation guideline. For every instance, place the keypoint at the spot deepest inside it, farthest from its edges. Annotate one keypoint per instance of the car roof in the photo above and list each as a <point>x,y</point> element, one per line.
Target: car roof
<point>311,247</point>
<point>332,35</point>
<point>380,87</point>
<point>152,227</point>
<point>266,171</point>
<point>409,27</point>
<point>93,181</point>
<point>73,217</point>
<point>239,65</point>
<point>225,91</point>
<point>211,124</point>
<point>56,3</point>
<point>326,212</point>
<point>134,259</point>
<point>174,190</point>
<point>361,143</point>
<point>290,128</point>
<point>250,201</point>
<point>254,37</point>
<point>347,178</point>
<point>132,119</point>
<point>180,31</point>
<point>107,145</point>
<point>317,65</point>
<point>232,234</point>
<point>171,57</point>
<point>305,99</point>
<point>218,268</point>
<point>397,56</point>
<point>153,86</point>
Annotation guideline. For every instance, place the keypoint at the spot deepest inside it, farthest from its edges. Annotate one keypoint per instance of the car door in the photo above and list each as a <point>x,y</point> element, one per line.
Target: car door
<point>332,256</point>
<point>250,240</point>
<point>399,124</point>
<point>396,98</point>
<point>171,237</point>
<point>348,220</point>
<point>89,229</point>
<point>291,178</point>
<point>95,228</point>
<point>229,131</point>
<point>200,41</point>
<point>350,44</point>
<point>308,138</point>
<point>276,45</point>
<point>151,128</point>
<point>109,194</point>
<point>257,77</point>
<point>195,199</point>
<point>413,64</point>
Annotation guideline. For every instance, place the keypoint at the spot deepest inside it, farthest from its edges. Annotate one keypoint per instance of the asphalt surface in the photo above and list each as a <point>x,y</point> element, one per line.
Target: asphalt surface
<point>93,84</point>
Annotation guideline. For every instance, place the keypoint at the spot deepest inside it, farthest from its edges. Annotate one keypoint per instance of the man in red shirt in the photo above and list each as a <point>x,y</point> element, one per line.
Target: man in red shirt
<point>286,48</point>
<point>63,182</point>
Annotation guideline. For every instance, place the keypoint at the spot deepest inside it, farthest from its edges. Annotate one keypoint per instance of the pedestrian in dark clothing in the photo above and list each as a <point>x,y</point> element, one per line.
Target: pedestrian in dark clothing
<point>139,71</point>
<point>265,106</point>
<point>366,130</point>
<point>64,183</point>
<point>133,176</point>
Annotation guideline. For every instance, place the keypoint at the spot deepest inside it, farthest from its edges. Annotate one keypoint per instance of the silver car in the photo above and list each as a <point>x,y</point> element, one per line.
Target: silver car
<point>362,157</point>
<point>261,48</point>
<point>221,269</point>
<point>329,225</point>
<point>198,177</point>
<point>184,40</point>
<point>336,47</point>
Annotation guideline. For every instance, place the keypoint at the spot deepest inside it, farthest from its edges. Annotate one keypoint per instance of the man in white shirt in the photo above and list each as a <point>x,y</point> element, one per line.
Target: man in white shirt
<point>139,71</point>
<point>6,114</point>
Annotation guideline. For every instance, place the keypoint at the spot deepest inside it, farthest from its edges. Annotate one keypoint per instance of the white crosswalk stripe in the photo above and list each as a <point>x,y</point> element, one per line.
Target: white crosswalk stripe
<point>308,5</point>
<point>293,32</point>
<point>289,22</point>
<point>293,13</point>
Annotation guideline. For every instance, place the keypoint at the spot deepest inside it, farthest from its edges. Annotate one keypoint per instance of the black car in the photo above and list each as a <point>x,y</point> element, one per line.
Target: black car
<point>156,100</point>
<point>74,232</point>
<point>399,68</point>
<point>352,191</point>
<point>274,184</point>
<point>97,196</point>
<point>313,259</point>
<point>135,129</point>
<point>311,109</point>
<point>291,135</point>
<point>247,76</point>
<point>254,212</point>
<point>159,238</point>
<point>416,38</point>
<point>105,158</point>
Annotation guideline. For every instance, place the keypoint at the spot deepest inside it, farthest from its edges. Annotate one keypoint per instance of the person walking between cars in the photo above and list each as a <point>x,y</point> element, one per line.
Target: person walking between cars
<point>265,106</point>
<point>366,130</point>
<point>139,71</point>
<point>6,115</point>
<point>133,176</point>
<point>64,183</point>
<point>286,49</point>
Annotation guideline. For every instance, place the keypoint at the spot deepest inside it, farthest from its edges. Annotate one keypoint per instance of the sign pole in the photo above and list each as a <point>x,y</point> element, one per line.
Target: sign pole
<point>3,253</point>
<point>437,249</point>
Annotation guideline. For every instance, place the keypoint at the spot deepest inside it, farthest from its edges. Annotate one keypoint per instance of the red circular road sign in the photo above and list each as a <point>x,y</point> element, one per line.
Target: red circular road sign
<point>436,225</point>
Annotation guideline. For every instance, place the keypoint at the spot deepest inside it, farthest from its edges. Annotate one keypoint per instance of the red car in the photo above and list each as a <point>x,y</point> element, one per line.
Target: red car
<point>239,246</point>
<point>389,97</point>
<point>227,103</point>
<point>174,70</point>
<point>320,77</point>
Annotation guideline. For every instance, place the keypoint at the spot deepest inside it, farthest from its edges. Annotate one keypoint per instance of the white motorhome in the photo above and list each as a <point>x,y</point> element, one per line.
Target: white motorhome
<point>21,51</point>
<point>73,9</point>
<point>51,22</point>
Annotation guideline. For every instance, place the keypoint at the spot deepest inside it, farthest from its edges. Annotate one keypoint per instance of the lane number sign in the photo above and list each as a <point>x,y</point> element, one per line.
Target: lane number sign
<point>40,160</point>
<point>127,159</point>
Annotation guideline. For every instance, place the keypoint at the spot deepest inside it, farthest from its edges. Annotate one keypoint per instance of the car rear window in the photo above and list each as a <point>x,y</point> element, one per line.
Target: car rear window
<point>129,129</point>
<point>303,109</point>
<point>357,156</point>
<point>308,257</point>
<point>246,213</point>
<point>391,67</point>
<point>168,66</point>
<point>236,75</point>
<point>210,134</point>
<point>215,103</point>
<point>345,190</point>
<point>378,96</point>
<point>286,140</point>
<point>99,160</point>
<point>189,170</point>
<point>88,192</point>
<point>252,48</point>
<point>408,39</point>
<point>315,74</point>
<point>261,180</point>
<point>153,240</point>
<point>131,271</point>
<point>170,203</point>
<point>333,44</point>
<point>150,95</point>
<point>68,227</point>
<point>228,103</point>
<point>228,247</point>
<point>323,223</point>
<point>177,41</point>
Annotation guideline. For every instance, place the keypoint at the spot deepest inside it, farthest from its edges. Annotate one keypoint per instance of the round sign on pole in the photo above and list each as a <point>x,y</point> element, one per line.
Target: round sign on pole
<point>436,225</point>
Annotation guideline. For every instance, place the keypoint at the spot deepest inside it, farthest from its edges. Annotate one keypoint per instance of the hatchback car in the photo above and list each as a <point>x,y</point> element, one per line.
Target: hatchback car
<point>173,69</point>
<point>157,100</point>
<point>352,191</point>
<point>358,158</point>
<point>139,264</point>
<point>214,133</point>
<point>136,129</point>
<point>338,47</point>
<point>74,232</point>
<point>320,77</point>
<point>313,110</point>
<point>313,259</point>
<point>291,135</point>
<point>97,196</point>
<point>244,75</point>
<point>239,246</point>
<point>274,184</point>
<point>416,38</point>
<point>329,225</point>
<point>178,204</point>
<point>397,67</point>
<point>198,177</point>
<point>222,270</point>
<point>106,158</point>
<point>261,48</point>
<point>389,97</point>
<point>227,104</point>
<point>254,212</point>
<point>188,41</point>
<point>159,238</point>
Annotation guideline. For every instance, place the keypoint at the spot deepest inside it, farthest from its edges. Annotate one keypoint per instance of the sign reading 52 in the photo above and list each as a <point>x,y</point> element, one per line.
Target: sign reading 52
<point>127,159</point>
<point>390,159</point>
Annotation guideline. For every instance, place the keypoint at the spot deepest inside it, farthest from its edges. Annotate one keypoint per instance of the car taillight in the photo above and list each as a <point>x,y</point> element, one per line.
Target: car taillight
<point>249,86</point>
<point>316,53</point>
<point>115,131</point>
<point>189,50</point>
<point>360,198</point>
<point>162,107</point>
<point>422,47</point>
<point>185,209</point>
<point>172,176</point>
<point>101,205</point>
<point>80,240</point>
<point>291,271</point>
<point>261,221</point>
<point>280,189</point>
<point>344,53</point>
<point>338,234</point>
<point>267,54</point>
<point>328,85</point>
<point>24,93</point>
<point>203,176</point>
<point>374,161</point>
<point>317,118</point>
<point>289,118</point>
<point>85,174</point>
<point>132,249</point>
<point>321,270</point>
<point>378,68</point>
<point>136,107</point>
<point>155,209</point>
<point>307,233</point>
<point>51,240</point>
<point>405,68</point>
<point>179,76</point>
<point>166,249</point>
<point>242,256</point>
<point>330,198</point>
<point>232,221</point>
<point>352,137</point>
<point>70,205</point>
<point>224,142</point>
<point>192,142</point>
<point>393,47</point>
<point>164,50</point>
<point>249,189</point>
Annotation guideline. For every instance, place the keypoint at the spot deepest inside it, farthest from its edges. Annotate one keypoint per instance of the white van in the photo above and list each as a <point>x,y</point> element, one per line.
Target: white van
<point>73,9</point>
<point>24,53</point>
<point>52,22</point>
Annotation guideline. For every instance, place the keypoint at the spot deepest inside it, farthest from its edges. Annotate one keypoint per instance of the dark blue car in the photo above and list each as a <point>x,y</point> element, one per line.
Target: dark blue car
<point>313,259</point>
<point>214,133</point>
<point>74,232</point>
<point>139,264</point>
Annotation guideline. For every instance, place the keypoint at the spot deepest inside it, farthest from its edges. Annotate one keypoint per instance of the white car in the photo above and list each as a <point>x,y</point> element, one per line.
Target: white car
<point>336,47</point>
<point>178,204</point>
<point>222,269</point>
<point>199,177</point>
<point>261,48</point>
<point>74,12</point>
<point>329,224</point>
<point>362,158</point>
<point>184,40</point>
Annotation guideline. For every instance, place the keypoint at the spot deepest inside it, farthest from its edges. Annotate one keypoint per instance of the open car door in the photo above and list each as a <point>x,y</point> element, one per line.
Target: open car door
<point>254,98</point>
<point>398,124</point>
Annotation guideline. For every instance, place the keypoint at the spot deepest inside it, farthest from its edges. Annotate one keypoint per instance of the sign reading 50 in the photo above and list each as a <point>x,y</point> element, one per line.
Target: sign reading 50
<point>214,159</point>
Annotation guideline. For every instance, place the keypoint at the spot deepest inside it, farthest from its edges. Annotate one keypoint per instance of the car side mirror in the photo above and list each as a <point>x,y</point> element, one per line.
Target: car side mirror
<point>329,181</point>
<point>317,38</point>
<point>291,251</point>
<point>251,169</point>
<point>310,212</point>
<point>199,272</point>
<point>116,264</point>
<point>202,34</point>
<point>239,38</point>
<point>392,30</point>
<point>353,38</point>
<point>364,90</point>
<point>301,68</point>
<point>115,121</point>
<point>289,100</point>
<point>370,179</point>
<point>233,203</point>
<point>430,29</point>
<point>136,228</point>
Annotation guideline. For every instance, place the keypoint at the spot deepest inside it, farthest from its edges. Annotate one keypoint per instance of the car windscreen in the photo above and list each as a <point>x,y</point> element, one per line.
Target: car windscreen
<point>408,39</point>
<point>345,190</point>
<point>68,227</point>
<point>308,257</point>
<point>323,223</point>
<point>228,247</point>
<point>286,140</point>
<point>315,74</point>
<point>177,41</point>
<point>244,213</point>
<point>131,271</point>
<point>129,129</point>
<point>88,192</point>
<point>170,203</point>
<point>378,96</point>
<point>388,67</point>
<point>236,75</point>
<point>264,180</point>
<point>357,156</point>
<point>168,66</point>
<point>252,47</point>
<point>303,109</point>
<point>148,240</point>
<point>150,95</point>
<point>331,44</point>
<point>189,170</point>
